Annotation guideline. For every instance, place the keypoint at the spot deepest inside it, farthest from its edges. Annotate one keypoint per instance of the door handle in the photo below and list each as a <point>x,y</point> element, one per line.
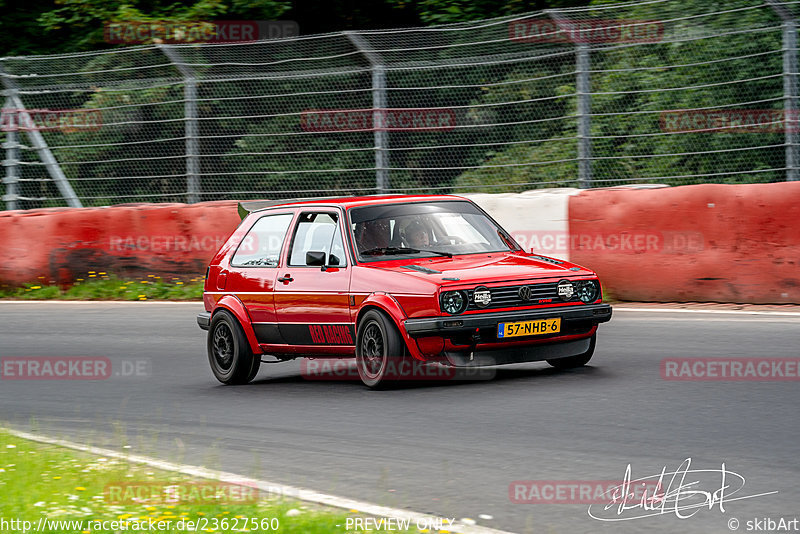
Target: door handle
<point>286,279</point>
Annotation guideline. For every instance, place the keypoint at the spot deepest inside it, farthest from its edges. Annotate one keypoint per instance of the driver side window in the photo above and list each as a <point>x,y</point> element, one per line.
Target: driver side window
<point>317,232</point>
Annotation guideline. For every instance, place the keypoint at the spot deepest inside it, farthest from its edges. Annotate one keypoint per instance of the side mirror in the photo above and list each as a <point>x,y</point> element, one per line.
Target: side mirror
<point>315,258</point>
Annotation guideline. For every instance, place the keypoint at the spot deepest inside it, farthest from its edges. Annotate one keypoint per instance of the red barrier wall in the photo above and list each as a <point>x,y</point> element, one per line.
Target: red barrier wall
<point>130,241</point>
<point>713,243</point>
<point>708,243</point>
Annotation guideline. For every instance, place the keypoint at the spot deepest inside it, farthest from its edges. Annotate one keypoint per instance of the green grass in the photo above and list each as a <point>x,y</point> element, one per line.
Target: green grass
<point>45,481</point>
<point>102,286</point>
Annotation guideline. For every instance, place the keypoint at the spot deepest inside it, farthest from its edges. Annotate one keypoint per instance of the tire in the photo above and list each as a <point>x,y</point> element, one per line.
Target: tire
<point>232,361</point>
<point>379,350</point>
<point>575,361</point>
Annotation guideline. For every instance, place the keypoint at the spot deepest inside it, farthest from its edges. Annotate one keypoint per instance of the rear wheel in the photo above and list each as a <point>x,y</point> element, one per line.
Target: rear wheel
<point>575,361</point>
<point>380,350</point>
<point>232,361</point>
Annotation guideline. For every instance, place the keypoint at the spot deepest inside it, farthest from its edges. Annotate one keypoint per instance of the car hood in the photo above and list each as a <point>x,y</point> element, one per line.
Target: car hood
<point>483,268</point>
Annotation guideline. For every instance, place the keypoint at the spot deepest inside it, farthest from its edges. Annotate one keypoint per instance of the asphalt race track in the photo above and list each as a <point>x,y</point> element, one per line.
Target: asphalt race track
<point>448,448</point>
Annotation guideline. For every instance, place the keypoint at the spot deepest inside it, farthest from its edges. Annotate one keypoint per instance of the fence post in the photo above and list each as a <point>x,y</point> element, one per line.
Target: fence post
<point>583,88</point>
<point>192,142</point>
<point>11,161</point>
<point>378,110</point>
<point>790,110</point>
<point>191,130</point>
<point>584,117</point>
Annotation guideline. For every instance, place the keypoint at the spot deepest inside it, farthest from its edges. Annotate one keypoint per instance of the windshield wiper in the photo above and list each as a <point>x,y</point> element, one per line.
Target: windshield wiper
<point>439,252</point>
<point>377,251</point>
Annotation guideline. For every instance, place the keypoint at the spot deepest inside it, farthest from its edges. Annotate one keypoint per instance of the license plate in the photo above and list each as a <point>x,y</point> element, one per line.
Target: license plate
<point>529,328</point>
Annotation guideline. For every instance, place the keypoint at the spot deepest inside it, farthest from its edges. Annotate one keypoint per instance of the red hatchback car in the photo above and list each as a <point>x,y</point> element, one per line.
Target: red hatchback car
<point>391,281</point>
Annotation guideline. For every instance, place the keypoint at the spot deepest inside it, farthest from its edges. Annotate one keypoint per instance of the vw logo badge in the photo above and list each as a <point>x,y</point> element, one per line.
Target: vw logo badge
<point>565,289</point>
<point>525,293</point>
<point>481,296</point>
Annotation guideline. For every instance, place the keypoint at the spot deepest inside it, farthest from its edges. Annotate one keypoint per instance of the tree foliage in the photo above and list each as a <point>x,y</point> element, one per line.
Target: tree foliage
<point>54,26</point>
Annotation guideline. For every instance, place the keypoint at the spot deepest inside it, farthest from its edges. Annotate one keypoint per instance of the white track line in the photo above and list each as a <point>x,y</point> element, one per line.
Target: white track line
<point>270,488</point>
<point>723,312</point>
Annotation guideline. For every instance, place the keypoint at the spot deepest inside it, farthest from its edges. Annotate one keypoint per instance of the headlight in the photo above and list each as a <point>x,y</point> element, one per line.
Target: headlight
<point>588,290</point>
<point>453,302</point>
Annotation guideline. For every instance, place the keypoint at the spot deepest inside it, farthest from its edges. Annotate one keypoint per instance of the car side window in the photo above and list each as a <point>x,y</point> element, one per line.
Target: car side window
<point>261,247</point>
<point>318,232</point>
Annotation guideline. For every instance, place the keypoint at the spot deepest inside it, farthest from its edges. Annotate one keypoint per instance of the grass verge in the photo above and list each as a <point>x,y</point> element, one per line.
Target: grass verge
<point>102,286</point>
<point>72,492</point>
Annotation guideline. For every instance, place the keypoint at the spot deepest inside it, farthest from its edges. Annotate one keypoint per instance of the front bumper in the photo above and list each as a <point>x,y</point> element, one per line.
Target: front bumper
<point>463,324</point>
<point>204,320</point>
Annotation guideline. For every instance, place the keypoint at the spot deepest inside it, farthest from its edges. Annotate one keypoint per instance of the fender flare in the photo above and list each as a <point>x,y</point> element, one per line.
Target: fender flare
<point>235,306</point>
<point>389,305</point>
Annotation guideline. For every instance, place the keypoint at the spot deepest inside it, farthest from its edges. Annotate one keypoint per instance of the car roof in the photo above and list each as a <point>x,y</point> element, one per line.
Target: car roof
<point>344,202</point>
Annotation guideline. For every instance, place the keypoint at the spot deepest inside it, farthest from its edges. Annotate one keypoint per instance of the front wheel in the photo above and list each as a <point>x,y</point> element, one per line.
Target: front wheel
<point>232,361</point>
<point>380,350</point>
<point>575,361</point>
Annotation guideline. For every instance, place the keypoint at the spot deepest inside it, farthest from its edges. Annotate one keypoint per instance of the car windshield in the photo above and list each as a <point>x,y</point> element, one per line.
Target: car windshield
<point>424,229</point>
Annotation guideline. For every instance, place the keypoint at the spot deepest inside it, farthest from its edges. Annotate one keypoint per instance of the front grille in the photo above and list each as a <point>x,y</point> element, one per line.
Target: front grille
<point>508,296</point>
